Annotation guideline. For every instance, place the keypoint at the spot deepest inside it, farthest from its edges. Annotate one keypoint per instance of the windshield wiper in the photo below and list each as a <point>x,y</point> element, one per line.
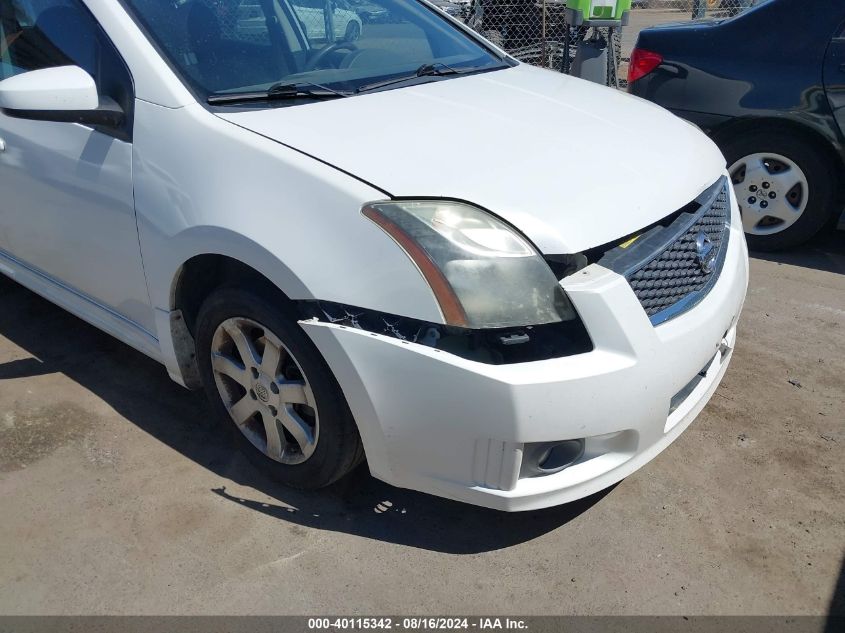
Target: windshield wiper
<point>279,92</point>
<point>437,69</point>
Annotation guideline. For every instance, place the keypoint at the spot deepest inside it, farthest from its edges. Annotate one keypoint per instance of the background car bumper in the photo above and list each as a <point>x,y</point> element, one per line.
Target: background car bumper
<point>705,121</point>
<point>437,423</point>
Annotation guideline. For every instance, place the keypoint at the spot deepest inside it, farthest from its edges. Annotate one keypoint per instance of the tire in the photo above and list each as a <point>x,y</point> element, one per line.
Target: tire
<point>309,401</point>
<point>802,211</point>
<point>353,32</point>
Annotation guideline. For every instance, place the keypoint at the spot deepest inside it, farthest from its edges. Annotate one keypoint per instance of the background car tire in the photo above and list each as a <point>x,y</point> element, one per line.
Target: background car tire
<point>817,170</point>
<point>338,447</point>
<point>353,32</point>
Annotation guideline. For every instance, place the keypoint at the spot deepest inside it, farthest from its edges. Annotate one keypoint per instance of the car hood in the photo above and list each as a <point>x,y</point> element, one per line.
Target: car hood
<point>570,163</point>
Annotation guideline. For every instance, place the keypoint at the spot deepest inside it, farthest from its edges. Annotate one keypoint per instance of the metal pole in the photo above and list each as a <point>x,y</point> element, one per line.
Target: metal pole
<point>612,58</point>
<point>545,63</point>
<point>564,62</point>
<point>328,21</point>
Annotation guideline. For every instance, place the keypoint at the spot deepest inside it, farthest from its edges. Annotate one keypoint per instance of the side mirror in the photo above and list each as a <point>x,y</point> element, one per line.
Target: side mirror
<point>66,94</point>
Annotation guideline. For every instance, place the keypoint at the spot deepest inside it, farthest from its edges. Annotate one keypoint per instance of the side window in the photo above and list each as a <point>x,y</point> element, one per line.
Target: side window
<point>45,33</point>
<point>36,34</point>
<point>311,14</point>
<point>246,22</point>
<point>238,20</point>
<point>371,25</point>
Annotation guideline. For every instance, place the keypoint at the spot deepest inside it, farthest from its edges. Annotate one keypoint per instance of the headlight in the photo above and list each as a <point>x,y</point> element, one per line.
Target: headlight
<point>483,273</point>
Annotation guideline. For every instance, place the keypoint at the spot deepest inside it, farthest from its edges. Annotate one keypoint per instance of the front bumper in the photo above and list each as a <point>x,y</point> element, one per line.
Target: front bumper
<point>456,428</point>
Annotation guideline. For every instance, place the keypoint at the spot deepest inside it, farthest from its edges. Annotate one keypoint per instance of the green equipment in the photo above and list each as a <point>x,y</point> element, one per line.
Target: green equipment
<point>604,20</point>
<point>588,11</point>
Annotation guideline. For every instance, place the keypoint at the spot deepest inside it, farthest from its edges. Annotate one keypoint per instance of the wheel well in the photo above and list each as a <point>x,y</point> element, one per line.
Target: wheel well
<point>197,278</point>
<point>202,274</point>
<point>808,134</point>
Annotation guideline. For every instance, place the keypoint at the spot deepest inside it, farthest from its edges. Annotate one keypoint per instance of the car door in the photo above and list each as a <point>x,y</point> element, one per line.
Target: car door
<point>834,76</point>
<point>67,209</point>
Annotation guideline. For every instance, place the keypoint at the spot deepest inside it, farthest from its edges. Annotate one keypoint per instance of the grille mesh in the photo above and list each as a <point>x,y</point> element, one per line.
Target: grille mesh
<point>675,273</point>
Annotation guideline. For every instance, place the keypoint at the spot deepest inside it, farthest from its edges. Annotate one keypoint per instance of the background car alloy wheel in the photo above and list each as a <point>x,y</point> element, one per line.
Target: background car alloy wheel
<point>265,390</point>
<point>771,191</point>
<point>784,185</point>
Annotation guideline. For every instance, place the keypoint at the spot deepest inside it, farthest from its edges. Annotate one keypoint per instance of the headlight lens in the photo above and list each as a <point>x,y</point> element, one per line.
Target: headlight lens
<point>483,273</point>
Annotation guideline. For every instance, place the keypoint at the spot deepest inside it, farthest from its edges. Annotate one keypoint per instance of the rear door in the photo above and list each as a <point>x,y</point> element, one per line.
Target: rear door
<point>834,76</point>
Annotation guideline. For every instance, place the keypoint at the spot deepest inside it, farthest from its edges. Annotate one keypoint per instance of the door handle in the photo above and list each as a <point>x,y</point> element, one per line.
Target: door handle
<point>2,145</point>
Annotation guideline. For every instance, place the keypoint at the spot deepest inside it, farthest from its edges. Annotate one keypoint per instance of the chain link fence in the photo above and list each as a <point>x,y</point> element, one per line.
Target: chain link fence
<point>534,31</point>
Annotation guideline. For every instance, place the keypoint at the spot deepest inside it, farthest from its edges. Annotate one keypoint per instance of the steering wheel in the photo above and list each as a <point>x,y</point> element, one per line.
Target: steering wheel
<point>327,50</point>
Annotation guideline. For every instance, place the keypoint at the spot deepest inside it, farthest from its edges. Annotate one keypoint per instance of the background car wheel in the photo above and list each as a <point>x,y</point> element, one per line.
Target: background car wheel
<point>783,185</point>
<point>353,32</point>
<point>270,387</point>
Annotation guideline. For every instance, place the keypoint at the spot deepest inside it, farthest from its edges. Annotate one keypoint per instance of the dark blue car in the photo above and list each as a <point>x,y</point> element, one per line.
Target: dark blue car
<point>769,87</point>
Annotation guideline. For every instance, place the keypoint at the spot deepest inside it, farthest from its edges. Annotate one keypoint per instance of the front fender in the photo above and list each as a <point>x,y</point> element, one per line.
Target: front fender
<point>216,188</point>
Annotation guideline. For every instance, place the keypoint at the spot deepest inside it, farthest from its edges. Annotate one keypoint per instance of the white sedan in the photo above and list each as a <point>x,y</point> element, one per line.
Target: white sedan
<point>279,224</point>
<point>345,21</point>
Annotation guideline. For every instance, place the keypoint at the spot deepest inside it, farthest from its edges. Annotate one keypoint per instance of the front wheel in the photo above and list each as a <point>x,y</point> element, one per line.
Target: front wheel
<point>268,384</point>
<point>783,185</point>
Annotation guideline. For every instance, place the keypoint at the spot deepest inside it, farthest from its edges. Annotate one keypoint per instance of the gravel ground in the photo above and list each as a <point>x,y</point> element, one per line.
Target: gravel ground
<point>117,496</point>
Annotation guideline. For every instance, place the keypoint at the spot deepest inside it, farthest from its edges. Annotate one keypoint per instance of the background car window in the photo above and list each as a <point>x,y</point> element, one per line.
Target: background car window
<point>36,34</point>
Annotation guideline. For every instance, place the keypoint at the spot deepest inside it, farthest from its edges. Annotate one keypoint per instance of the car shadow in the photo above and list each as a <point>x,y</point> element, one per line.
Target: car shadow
<point>825,252</point>
<point>139,389</point>
<point>836,609</point>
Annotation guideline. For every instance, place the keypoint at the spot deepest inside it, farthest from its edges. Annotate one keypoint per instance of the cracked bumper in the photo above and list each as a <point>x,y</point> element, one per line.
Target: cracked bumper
<point>456,428</point>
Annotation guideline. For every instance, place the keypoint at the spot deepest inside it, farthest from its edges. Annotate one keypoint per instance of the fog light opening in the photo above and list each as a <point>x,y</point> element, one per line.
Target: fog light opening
<point>547,458</point>
<point>561,455</point>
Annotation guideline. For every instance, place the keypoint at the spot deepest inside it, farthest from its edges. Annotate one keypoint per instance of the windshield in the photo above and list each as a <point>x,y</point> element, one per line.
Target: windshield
<point>225,47</point>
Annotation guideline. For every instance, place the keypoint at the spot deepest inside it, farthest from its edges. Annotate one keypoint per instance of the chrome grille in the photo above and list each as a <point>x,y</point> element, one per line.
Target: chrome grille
<point>677,277</point>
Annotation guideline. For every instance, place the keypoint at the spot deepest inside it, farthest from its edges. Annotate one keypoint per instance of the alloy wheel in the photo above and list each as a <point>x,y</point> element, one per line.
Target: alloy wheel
<point>771,191</point>
<point>264,390</point>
